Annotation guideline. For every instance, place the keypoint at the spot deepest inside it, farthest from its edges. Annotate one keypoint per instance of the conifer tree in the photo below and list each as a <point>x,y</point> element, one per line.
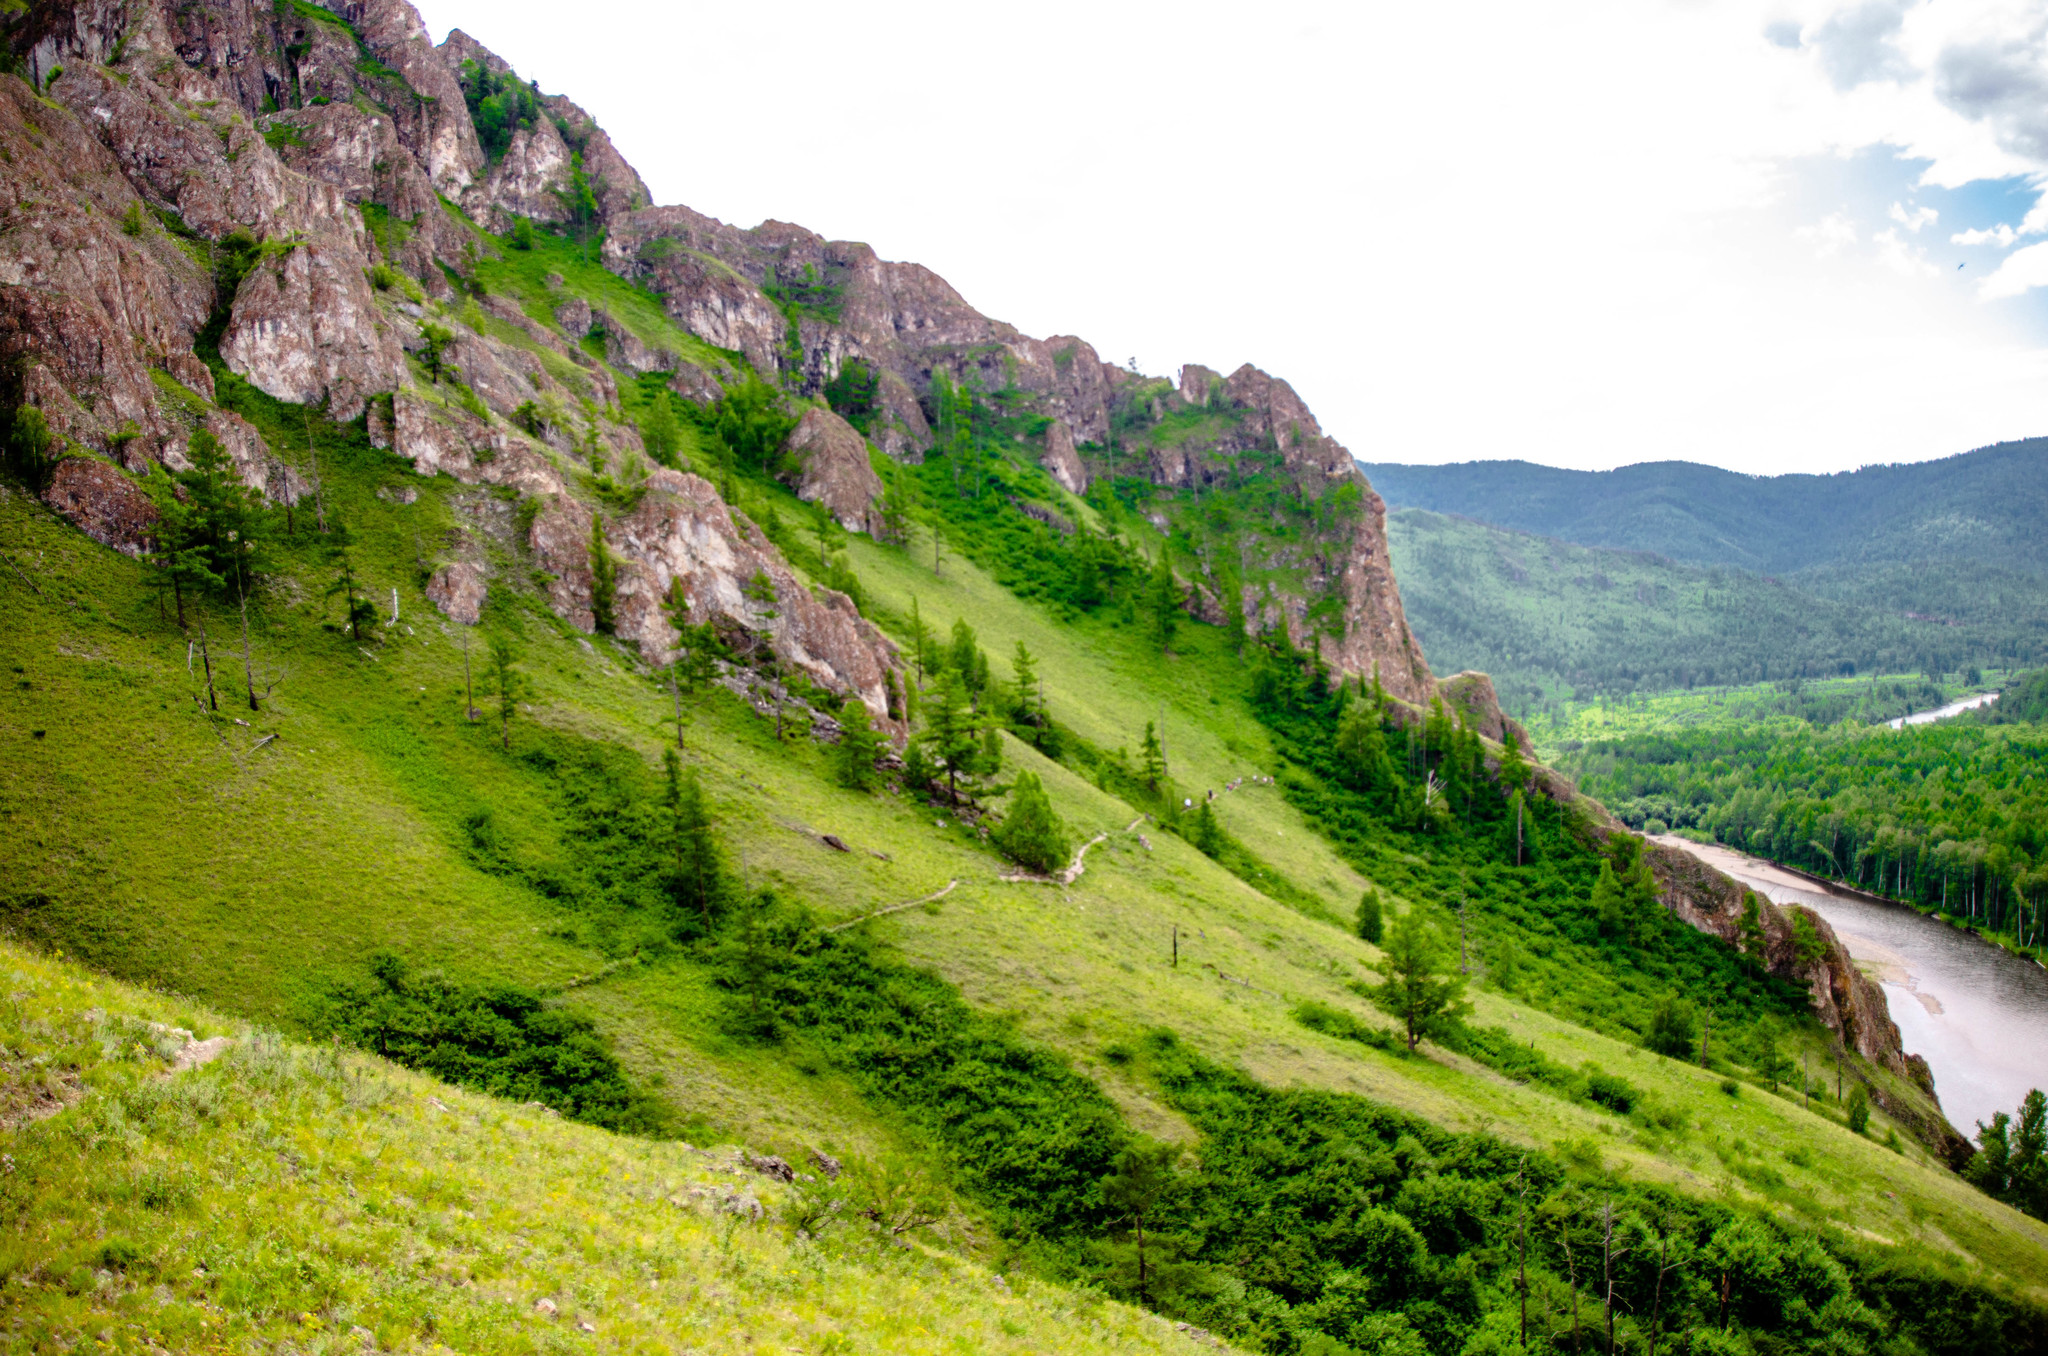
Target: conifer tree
<point>1023,694</point>
<point>1362,749</point>
<point>604,579</point>
<point>1151,760</point>
<point>358,608</point>
<point>1371,917</point>
<point>1031,833</point>
<point>1418,985</point>
<point>508,684</point>
<point>698,878</point>
<point>854,760</point>
<point>1514,768</point>
<point>1204,832</point>
<point>1163,599</point>
<point>950,730</point>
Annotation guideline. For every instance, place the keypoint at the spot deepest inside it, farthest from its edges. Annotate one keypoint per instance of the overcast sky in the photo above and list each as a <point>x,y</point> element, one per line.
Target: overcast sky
<point>1769,236</point>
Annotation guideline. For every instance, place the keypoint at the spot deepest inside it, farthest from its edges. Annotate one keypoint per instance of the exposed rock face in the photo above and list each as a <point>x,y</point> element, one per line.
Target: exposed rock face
<point>835,473</point>
<point>459,591</point>
<point>1471,695</point>
<point>102,503</point>
<point>1846,999</point>
<point>682,535</point>
<point>1376,637</point>
<point>1062,461</point>
<point>306,329</point>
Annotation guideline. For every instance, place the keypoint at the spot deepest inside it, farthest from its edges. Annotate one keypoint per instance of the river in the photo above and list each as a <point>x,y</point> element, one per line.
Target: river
<point>1955,708</point>
<point>1976,1013</point>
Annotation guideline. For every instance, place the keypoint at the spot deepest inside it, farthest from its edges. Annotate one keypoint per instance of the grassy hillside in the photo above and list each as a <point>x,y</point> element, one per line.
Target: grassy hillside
<point>312,1199</point>
<point>251,874</point>
<point>1554,622</point>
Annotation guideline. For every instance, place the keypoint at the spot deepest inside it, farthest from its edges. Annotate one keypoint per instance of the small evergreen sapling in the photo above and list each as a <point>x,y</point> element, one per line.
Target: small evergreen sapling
<point>698,878</point>
<point>1371,919</point>
<point>854,759</point>
<point>1031,834</point>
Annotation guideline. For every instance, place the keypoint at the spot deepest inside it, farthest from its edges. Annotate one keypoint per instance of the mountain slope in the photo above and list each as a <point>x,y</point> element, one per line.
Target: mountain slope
<point>1977,507</point>
<point>611,466</point>
<point>1549,619</point>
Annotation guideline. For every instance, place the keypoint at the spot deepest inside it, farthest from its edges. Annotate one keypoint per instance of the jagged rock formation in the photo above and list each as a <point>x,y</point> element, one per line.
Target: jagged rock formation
<point>330,137</point>
<point>236,177</point>
<point>833,458</point>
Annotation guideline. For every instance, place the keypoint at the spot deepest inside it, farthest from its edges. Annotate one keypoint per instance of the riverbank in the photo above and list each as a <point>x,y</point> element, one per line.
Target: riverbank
<point>1793,875</point>
<point>1977,1014</point>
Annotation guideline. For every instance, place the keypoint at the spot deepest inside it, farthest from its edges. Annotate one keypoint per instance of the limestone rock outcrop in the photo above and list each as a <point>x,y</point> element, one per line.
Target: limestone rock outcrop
<point>102,503</point>
<point>1062,460</point>
<point>834,469</point>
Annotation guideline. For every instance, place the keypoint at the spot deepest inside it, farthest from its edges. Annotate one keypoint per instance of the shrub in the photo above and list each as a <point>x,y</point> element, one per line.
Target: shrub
<point>1031,835</point>
<point>496,1038</point>
<point>1859,1109</point>
<point>1673,1028</point>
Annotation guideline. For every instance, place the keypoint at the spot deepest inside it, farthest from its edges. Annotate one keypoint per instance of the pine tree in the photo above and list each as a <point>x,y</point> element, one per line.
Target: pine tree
<point>1023,694</point>
<point>964,658</point>
<point>658,429</point>
<point>508,683</point>
<point>1371,918</point>
<point>1151,760</point>
<point>1418,985</point>
<point>1514,768</point>
<point>604,579</point>
<point>1674,1028</point>
<point>950,730</point>
<point>1610,902</point>
<point>1362,750</point>
<point>1163,598</point>
<point>698,878</point>
<point>1031,833</point>
<point>921,640</point>
<point>854,760</point>
<point>359,609</point>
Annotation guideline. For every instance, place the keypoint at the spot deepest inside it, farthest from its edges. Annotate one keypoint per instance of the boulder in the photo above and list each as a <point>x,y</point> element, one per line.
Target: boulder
<point>834,469</point>
<point>103,503</point>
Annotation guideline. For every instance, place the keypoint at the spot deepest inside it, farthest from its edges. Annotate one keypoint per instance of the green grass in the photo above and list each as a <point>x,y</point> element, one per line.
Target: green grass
<point>319,1200</point>
<point>523,276</point>
<point>157,844</point>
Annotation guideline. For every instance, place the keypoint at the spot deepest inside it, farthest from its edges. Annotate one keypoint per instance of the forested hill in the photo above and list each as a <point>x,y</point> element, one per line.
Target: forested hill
<point>1549,619</point>
<point>1982,507</point>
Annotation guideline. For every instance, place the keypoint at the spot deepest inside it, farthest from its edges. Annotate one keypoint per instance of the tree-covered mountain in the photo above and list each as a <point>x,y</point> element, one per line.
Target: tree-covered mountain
<point>1549,619</point>
<point>1980,507</point>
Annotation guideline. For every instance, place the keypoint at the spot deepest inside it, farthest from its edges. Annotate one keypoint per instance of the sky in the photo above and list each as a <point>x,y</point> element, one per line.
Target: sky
<point>1765,235</point>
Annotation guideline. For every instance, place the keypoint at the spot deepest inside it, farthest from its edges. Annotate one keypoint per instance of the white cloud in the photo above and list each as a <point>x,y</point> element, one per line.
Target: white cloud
<point>2021,271</point>
<point>1902,256</point>
<point>1830,235</point>
<point>1916,218</point>
<point>2000,235</point>
<point>1859,43</point>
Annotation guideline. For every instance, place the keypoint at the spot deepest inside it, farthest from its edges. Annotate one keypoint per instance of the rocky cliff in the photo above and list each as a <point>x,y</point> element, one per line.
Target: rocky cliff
<point>265,188</point>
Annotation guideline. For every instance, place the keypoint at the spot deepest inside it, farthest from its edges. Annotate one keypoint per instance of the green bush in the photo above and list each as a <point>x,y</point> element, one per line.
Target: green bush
<point>496,1038</point>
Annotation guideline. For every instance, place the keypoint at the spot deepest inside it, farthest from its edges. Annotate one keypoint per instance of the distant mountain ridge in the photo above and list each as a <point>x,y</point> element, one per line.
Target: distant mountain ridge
<point>1983,506</point>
